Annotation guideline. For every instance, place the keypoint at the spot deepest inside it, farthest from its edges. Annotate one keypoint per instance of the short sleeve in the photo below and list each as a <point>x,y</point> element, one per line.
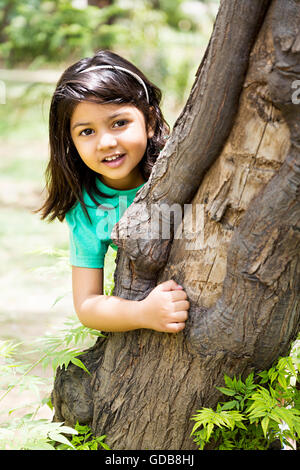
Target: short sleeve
<point>87,250</point>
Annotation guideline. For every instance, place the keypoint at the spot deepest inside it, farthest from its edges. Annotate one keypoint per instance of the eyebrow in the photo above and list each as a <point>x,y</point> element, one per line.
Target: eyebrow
<point>112,116</point>
<point>79,124</point>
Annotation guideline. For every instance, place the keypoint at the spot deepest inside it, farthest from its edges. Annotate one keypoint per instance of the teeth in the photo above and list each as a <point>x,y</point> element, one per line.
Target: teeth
<point>109,159</point>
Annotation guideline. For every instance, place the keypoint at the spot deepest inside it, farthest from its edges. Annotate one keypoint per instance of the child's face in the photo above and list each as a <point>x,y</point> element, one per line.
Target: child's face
<point>105,131</point>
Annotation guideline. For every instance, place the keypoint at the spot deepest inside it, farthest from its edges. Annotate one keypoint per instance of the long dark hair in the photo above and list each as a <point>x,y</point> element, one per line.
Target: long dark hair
<point>66,174</point>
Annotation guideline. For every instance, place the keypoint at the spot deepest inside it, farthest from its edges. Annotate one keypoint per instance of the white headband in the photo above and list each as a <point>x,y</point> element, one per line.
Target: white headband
<point>112,67</point>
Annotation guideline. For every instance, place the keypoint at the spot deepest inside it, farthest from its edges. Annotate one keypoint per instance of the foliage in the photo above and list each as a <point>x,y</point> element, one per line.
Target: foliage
<point>60,356</point>
<point>261,410</point>
<point>163,38</point>
<point>84,440</point>
<point>174,15</point>
<point>56,349</point>
<point>28,433</point>
<point>50,30</point>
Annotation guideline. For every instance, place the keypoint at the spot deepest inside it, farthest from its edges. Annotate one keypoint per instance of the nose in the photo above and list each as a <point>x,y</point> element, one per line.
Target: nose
<point>106,141</point>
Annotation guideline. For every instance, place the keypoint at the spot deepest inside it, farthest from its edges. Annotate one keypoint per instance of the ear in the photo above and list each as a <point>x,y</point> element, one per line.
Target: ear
<point>150,133</point>
<point>151,124</point>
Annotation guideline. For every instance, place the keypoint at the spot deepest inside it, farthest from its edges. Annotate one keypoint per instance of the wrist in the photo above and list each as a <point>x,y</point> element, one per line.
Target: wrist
<point>140,314</point>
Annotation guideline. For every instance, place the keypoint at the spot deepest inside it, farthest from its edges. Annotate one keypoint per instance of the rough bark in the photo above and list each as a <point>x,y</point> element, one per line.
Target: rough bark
<point>235,151</point>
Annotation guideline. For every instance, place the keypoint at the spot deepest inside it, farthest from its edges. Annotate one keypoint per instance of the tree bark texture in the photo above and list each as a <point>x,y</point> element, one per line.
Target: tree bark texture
<point>234,151</point>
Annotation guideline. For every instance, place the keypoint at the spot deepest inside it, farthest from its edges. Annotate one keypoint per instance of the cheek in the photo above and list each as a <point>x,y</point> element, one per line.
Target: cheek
<point>85,154</point>
<point>138,140</point>
<point>138,150</point>
<point>82,149</point>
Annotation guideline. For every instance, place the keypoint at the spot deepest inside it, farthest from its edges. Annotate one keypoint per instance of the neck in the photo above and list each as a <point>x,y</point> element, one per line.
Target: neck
<point>130,182</point>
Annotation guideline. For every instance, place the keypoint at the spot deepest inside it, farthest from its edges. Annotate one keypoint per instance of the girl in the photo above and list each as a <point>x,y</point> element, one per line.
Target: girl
<point>106,131</point>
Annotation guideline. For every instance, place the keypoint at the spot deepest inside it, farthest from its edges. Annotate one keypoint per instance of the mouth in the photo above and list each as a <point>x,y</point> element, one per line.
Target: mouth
<point>113,161</point>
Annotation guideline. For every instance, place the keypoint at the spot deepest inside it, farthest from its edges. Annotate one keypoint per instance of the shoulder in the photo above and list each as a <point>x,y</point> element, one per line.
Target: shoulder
<point>77,216</point>
<point>85,212</point>
<point>87,245</point>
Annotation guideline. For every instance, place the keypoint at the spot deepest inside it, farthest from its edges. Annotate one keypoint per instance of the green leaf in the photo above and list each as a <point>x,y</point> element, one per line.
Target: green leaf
<point>230,405</point>
<point>80,364</point>
<point>77,440</point>
<point>228,381</point>
<point>240,425</point>
<point>105,446</point>
<point>226,391</point>
<point>57,437</point>
<point>81,428</point>
<point>195,427</point>
<point>66,429</point>
<point>101,438</point>
<point>249,379</point>
<point>209,430</point>
<point>84,447</point>
<point>282,380</point>
<point>264,425</point>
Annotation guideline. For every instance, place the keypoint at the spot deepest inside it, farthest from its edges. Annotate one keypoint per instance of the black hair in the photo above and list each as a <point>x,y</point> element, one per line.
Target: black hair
<point>66,174</point>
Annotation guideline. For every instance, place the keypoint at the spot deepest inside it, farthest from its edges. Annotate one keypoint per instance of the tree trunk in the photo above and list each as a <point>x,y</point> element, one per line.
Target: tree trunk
<point>233,154</point>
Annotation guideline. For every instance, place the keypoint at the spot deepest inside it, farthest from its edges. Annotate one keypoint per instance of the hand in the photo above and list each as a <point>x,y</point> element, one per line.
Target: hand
<point>165,308</point>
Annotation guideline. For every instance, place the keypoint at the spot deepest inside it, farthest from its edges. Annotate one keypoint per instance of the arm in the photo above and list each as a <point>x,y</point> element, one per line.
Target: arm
<point>164,309</point>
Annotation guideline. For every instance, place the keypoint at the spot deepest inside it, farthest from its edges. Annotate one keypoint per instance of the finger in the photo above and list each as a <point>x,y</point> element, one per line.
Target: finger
<point>169,285</point>
<point>178,287</point>
<point>181,305</point>
<point>175,327</point>
<point>176,295</point>
<point>179,316</point>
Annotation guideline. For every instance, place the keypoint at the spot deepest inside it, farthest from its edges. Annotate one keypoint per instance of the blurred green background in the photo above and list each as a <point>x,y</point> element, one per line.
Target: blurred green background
<point>38,40</point>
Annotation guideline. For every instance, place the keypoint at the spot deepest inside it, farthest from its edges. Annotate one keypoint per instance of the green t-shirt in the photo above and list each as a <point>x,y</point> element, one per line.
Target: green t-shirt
<point>89,242</point>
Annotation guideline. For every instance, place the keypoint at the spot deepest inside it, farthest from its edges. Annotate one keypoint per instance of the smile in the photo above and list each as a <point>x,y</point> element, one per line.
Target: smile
<point>114,160</point>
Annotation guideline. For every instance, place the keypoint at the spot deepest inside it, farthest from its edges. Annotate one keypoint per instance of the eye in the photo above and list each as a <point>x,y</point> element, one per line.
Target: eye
<point>86,132</point>
<point>120,123</point>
